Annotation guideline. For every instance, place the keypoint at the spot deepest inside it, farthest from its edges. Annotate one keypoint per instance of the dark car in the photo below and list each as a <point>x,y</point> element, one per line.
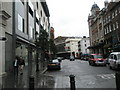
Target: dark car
<point>96,59</point>
<point>60,59</point>
<point>54,64</point>
<point>72,58</point>
<point>84,57</point>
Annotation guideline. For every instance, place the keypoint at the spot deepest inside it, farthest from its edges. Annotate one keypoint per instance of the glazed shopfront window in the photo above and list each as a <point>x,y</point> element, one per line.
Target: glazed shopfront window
<point>22,51</point>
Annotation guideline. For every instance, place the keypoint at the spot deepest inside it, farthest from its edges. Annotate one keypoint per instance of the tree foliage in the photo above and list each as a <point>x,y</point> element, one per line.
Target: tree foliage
<point>52,46</point>
<point>45,43</point>
<point>43,40</point>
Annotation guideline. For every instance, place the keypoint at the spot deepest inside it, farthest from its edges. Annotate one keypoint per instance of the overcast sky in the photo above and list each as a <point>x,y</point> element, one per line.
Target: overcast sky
<point>69,17</point>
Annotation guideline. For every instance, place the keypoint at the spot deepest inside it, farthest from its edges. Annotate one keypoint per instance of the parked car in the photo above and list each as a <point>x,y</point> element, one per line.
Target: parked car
<point>84,57</point>
<point>96,59</point>
<point>114,60</point>
<point>72,58</point>
<point>54,64</point>
<point>60,59</point>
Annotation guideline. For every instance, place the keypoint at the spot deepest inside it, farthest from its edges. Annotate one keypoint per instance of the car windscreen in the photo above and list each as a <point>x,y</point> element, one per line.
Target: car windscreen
<point>98,56</point>
<point>55,61</point>
<point>118,56</point>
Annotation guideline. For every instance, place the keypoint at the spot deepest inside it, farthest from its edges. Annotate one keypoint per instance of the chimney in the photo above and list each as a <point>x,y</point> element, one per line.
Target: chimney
<point>106,3</point>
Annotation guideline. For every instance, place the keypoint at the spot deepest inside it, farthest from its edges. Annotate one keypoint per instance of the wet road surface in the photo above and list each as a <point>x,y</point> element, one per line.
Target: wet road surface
<point>86,76</point>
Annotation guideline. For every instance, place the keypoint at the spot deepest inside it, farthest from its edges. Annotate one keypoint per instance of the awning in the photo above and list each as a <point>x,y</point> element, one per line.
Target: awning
<point>107,45</point>
<point>90,47</point>
<point>116,47</point>
<point>96,46</point>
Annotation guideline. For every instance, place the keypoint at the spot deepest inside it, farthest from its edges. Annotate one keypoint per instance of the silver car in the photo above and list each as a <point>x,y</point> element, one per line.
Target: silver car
<point>114,60</point>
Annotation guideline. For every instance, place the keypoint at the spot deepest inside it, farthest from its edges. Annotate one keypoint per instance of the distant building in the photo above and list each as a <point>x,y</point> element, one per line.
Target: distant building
<point>96,32</point>
<point>83,45</point>
<point>71,46</point>
<point>60,45</point>
<point>52,33</point>
<point>66,46</point>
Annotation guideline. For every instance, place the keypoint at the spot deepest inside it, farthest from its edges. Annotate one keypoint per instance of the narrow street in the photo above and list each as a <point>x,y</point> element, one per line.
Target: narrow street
<point>86,76</point>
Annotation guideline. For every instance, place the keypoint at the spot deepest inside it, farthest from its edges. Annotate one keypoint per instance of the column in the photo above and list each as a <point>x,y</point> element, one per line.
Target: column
<point>3,17</point>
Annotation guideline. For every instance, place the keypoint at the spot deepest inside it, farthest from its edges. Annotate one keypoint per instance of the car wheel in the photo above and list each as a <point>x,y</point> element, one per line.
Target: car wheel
<point>104,64</point>
<point>89,63</point>
<point>59,68</point>
<point>92,63</point>
<point>110,67</point>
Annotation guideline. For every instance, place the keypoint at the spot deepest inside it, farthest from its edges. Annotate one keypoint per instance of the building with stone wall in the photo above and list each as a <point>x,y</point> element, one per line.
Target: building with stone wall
<point>20,23</point>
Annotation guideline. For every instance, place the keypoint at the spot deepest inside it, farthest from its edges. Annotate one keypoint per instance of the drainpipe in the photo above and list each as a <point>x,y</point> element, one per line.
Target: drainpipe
<point>14,32</point>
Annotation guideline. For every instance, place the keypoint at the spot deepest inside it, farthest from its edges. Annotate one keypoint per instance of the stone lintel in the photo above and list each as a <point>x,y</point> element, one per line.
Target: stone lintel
<point>4,15</point>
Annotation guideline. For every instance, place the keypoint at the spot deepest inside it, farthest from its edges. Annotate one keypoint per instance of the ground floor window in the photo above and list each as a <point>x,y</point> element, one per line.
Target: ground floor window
<point>22,51</point>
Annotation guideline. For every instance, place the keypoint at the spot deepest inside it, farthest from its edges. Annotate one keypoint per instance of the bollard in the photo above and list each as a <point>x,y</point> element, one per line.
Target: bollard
<point>117,75</point>
<point>72,82</point>
<point>31,83</point>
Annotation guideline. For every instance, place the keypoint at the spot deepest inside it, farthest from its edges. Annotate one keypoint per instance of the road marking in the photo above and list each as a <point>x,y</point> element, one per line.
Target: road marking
<point>107,76</point>
<point>91,83</point>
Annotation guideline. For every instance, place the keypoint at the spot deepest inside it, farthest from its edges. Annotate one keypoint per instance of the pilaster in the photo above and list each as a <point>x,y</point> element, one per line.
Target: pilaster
<point>3,23</point>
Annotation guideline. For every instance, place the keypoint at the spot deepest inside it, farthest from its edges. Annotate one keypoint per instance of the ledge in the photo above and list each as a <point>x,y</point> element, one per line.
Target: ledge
<point>4,15</point>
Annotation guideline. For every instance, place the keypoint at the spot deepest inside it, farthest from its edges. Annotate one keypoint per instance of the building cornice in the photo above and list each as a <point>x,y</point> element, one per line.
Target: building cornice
<point>45,8</point>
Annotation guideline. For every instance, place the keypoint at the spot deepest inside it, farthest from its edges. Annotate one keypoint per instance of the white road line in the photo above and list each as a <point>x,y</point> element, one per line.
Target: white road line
<point>107,76</point>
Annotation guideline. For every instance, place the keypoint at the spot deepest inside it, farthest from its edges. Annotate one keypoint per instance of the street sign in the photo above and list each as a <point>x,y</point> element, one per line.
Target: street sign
<point>3,38</point>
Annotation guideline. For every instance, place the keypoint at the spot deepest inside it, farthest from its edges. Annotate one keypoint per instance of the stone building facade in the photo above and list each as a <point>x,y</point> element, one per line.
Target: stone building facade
<point>23,22</point>
<point>104,28</point>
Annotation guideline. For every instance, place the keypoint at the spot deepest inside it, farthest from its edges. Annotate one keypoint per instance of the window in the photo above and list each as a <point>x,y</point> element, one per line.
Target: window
<point>119,9</point>
<point>37,4</point>
<point>37,21</point>
<point>44,19</point>
<point>106,19</point>
<point>117,25</point>
<point>115,57</point>
<point>109,18</point>
<point>107,29</point>
<point>110,28</point>
<point>113,26</point>
<point>41,13</point>
<point>30,11</point>
<point>118,56</point>
<point>111,56</point>
<point>31,32</point>
<point>22,2</point>
<point>37,28</point>
<point>23,23</point>
<point>113,15</point>
<point>20,23</point>
<point>116,13</point>
<point>85,45</point>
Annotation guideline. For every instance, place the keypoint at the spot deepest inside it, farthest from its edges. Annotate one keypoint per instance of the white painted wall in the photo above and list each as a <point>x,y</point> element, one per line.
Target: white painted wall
<point>73,44</point>
<point>85,43</point>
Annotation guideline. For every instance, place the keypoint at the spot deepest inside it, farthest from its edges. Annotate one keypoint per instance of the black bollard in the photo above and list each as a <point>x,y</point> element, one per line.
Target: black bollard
<point>117,75</point>
<point>31,83</point>
<point>72,82</point>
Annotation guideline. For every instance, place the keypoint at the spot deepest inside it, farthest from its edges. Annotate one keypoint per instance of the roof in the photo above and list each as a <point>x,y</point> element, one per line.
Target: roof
<point>45,8</point>
<point>95,6</point>
<point>115,53</point>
